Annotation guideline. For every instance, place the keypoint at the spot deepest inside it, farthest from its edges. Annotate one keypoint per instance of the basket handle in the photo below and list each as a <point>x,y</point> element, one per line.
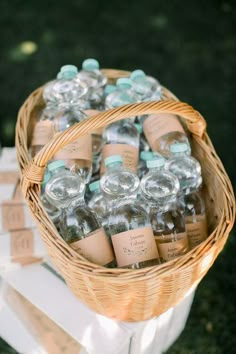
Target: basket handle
<point>34,171</point>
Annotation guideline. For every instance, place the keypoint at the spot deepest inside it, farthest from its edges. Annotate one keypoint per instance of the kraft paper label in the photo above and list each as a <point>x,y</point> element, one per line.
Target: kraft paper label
<point>169,249</point>
<point>12,216</point>
<point>97,143</point>
<point>90,113</point>
<point>81,149</point>
<point>22,244</point>
<point>157,125</point>
<point>196,229</point>
<point>130,155</point>
<point>9,177</point>
<point>43,133</point>
<point>95,247</point>
<point>134,246</point>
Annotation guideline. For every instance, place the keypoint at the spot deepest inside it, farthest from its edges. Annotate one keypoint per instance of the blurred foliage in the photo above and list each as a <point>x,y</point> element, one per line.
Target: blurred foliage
<point>190,46</point>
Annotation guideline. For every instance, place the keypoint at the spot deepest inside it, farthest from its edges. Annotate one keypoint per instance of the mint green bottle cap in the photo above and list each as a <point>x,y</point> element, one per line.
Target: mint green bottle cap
<point>68,75</point>
<point>158,162</point>
<point>109,89</point>
<point>46,178</point>
<point>147,155</point>
<point>123,81</point>
<point>178,147</point>
<point>55,165</point>
<point>113,159</point>
<point>59,76</point>
<point>70,68</point>
<point>90,64</point>
<point>137,73</point>
<point>138,127</point>
<point>94,186</point>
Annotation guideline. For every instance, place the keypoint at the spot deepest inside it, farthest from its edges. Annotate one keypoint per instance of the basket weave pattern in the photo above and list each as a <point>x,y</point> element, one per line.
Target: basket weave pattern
<point>124,294</point>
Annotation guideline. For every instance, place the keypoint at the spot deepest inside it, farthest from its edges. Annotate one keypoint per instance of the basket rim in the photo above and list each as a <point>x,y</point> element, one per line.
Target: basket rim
<point>162,270</point>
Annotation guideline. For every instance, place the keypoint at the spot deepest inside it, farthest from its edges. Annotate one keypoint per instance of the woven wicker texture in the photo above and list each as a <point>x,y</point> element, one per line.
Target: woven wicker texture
<point>124,294</point>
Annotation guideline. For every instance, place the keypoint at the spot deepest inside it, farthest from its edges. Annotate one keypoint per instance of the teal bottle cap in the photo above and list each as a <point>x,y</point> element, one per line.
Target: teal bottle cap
<point>90,64</point>
<point>68,75</point>
<point>59,76</point>
<point>178,147</point>
<point>138,127</point>
<point>123,81</point>
<point>46,178</point>
<point>137,73</point>
<point>113,159</point>
<point>147,155</point>
<point>94,186</point>
<point>157,162</point>
<point>109,89</point>
<point>70,68</point>
<point>55,165</point>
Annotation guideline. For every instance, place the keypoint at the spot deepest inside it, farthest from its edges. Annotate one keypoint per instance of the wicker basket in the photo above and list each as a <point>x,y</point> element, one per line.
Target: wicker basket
<point>124,294</point>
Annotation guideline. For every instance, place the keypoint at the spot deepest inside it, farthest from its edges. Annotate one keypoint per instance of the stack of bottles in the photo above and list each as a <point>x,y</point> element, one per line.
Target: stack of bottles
<point>128,195</point>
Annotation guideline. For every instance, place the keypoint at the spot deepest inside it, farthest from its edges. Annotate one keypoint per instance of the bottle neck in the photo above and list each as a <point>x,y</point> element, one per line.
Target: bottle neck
<point>161,208</point>
<point>155,169</point>
<point>180,154</point>
<point>72,104</point>
<point>123,88</point>
<point>189,190</point>
<point>128,120</point>
<point>76,201</point>
<point>57,171</point>
<point>114,166</point>
<point>95,194</point>
<point>118,201</point>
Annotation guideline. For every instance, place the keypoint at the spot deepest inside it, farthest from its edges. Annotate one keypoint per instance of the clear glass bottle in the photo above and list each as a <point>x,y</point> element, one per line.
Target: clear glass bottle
<point>53,212</point>
<point>47,94</point>
<point>94,79</point>
<point>146,87</point>
<point>79,225</point>
<point>78,154</point>
<point>43,130</point>
<point>128,222</point>
<point>122,95</point>
<point>98,204</point>
<point>63,185</point>
<point>163,129</point>
<point>67,88</point>
<point>184,166</point>
<point>58,94</point>
<point>122,137</point>
<point>65,97</point>
<point>190,201</point>
<point>160,188</point>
